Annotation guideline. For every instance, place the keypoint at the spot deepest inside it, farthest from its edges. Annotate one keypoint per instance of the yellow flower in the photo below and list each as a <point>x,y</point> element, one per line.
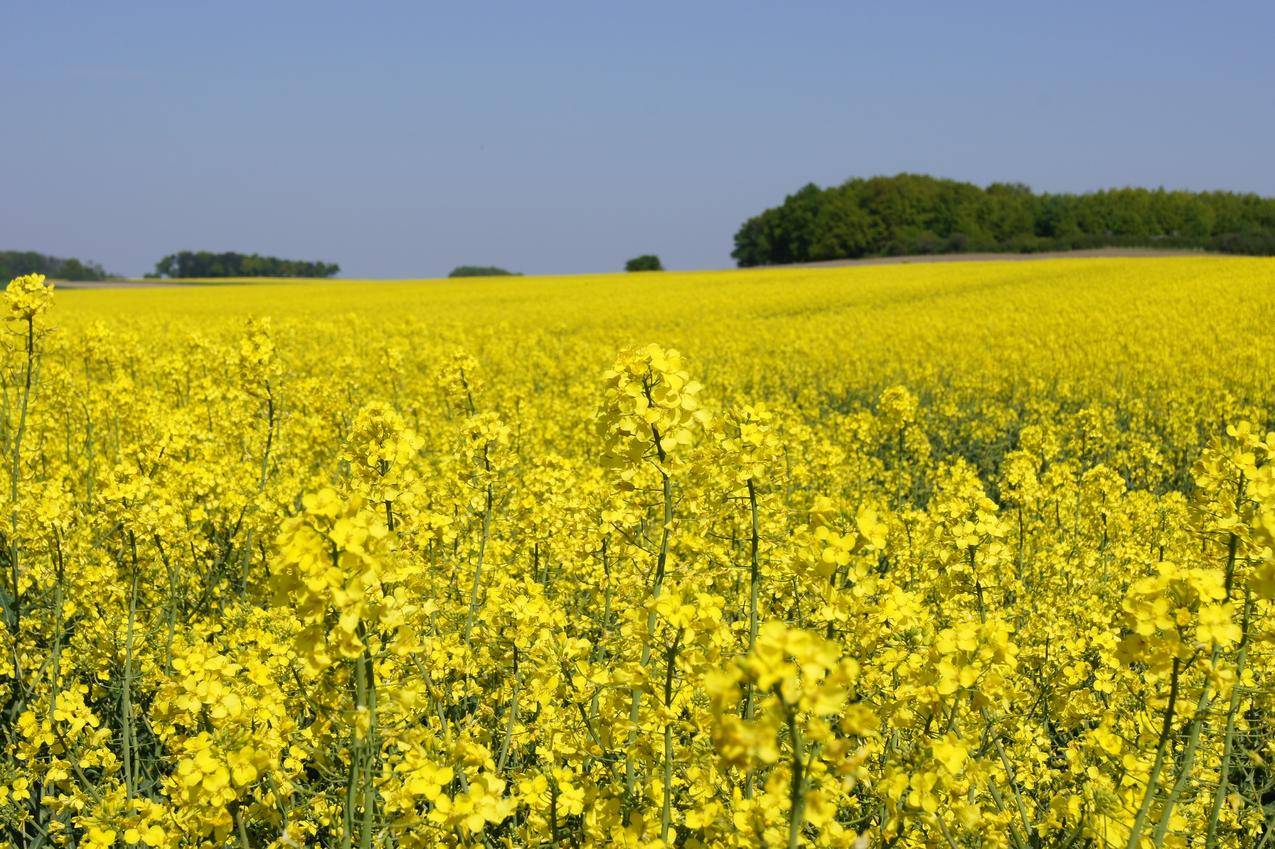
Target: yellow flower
<point>28,296</point>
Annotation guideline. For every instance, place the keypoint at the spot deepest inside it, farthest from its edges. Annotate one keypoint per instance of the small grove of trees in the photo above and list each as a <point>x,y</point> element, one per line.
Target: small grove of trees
<point>645,262</point>
<point>16,263</point>
<point>482,271</point>
<point>231,264</point>
<point>919,214</point>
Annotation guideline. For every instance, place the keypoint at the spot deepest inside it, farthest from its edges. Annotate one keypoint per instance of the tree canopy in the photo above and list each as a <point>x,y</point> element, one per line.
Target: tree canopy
<point>231,264</point>
<point>645,262</point>
<point>919,214</point>
<point>16,263</point>
<point>482,271</point>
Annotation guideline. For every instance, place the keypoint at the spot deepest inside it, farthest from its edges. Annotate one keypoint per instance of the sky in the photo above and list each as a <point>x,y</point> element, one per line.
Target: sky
<point>400,139</point>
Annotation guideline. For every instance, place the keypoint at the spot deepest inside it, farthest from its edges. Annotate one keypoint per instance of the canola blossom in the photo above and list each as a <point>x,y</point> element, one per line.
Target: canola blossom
<point>973,555</point>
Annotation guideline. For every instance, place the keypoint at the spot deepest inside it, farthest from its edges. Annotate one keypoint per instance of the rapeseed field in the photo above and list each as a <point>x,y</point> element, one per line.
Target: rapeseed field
<point>954,555</point>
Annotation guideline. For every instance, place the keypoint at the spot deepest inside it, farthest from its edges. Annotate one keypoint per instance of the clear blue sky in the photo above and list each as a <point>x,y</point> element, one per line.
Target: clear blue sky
<point>403,138</point>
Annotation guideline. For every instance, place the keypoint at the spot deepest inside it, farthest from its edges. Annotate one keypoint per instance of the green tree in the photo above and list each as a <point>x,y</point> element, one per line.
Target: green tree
<point>645,262</point>
<point>843,228</point>
<point>481,271</point>
<point>16,263</point>
<point>915,213</point>
<point>202,264</point>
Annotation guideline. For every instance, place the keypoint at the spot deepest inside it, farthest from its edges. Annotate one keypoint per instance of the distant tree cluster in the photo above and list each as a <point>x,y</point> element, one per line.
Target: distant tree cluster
<point>231,264</point>
<point>918,214</point>
<point>482,271</point>
<point>645,262</point>
<point>16,263</point>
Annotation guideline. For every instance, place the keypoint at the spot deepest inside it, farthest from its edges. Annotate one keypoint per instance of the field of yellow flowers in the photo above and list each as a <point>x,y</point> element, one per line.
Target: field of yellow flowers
<point>952,555</point>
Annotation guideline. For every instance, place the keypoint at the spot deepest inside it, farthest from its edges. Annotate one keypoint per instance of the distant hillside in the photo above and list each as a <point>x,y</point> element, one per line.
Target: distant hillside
<point>918,214</point>
<point>16,263</point>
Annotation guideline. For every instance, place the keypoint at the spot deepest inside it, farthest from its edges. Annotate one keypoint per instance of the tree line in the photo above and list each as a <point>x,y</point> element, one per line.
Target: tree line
<point>231,264</point>
<point>919,214</point>
<point>17,263</point>
<point>482,271</point>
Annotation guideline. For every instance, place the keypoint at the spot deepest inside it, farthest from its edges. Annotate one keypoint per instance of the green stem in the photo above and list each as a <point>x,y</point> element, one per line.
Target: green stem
<point>126,701</point>
<point>657,587</point>
<point>1219,795</point>
<point>1019,805</point>
<point>371,748</point>
<point>754,587</point>
<point>15,474</point>
<point>754,578</point>
<point>666,811</point>
<point>1184,774</point>
<point>242,829</point>
<point>796,787</point>
<point>478,569</point>
<point>513,719</point>
<point>1166,731</point>
<point>245,561</point>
